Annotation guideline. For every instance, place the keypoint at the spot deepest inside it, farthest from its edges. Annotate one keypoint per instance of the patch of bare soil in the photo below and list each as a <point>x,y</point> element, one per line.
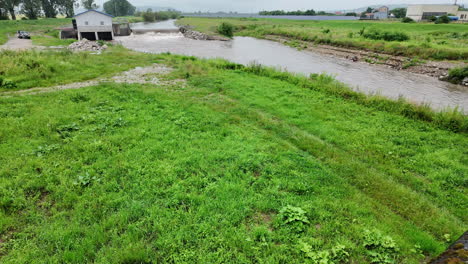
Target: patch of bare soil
<point>153,74</point>
<point>18,44</point>
<point>261,219</point>
<point>436,69</point>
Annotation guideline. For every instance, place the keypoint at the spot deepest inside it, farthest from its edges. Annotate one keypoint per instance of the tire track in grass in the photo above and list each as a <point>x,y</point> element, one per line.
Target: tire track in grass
<point>377,185</point>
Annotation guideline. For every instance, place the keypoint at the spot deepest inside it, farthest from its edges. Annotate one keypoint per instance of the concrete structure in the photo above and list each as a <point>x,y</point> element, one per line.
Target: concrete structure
<point>378,13</point>
<point>94,25</point>
<point>463,16</point>
<point>424,12</point>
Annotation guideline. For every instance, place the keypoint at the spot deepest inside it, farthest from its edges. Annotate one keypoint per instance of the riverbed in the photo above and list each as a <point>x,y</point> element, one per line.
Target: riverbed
<point>370,79</point>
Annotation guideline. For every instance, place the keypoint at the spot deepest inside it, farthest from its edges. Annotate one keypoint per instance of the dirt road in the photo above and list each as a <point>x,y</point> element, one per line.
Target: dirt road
<point>17,44</point>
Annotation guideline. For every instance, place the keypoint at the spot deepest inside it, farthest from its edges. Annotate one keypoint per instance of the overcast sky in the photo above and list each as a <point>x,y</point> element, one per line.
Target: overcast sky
<point>258,5</point>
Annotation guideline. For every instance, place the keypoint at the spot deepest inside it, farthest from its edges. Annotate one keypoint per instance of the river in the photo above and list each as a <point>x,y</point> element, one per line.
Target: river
<point>370,79</point>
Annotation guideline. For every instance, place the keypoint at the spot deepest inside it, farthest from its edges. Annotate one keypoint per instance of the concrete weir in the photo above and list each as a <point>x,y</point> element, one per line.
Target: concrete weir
<point>144,31</point>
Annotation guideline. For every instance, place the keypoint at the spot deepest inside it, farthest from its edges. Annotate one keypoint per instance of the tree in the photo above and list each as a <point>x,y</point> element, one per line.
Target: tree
<point>3,11</point>
<point>443,20</point>
<point>310,12</point>
<point>67,7</point>
<point>50,8</point>
<point>89,4</point>
<point>31,8</point>
<point>399,12</point>
<point>369,10</point>
<point>119,8</point>
<point>10,6</point>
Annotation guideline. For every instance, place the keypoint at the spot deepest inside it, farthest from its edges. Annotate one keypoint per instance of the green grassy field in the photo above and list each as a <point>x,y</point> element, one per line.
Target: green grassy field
<point>427,41</point>
<point>40,27</point>
<point>65,66</point>
<point>239,165</point>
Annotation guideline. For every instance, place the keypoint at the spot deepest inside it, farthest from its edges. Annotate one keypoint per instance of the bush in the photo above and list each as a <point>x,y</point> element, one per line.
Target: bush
<point>148,17</point>
<point>380,248</point>
<point>457,75</point>
<point>443,20</point>
<point>433,19</point>
<point>6,84</point>
<point>226,29</point>
<point>407,20</point>
<point>386,35</point>
<point>294,217</point>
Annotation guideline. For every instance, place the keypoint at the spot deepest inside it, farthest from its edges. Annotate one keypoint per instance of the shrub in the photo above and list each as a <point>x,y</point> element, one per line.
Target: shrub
<point>443,20</point>
<point>148,17</point>
<point>386,35</point>
<point>337,254</point>
<point>226,29</point>
<point>380,248</point>
<point>407,20</point>
<point>457,75</point>
<point>433,18</point>
<point>294,217</point>
<point>6,84</point>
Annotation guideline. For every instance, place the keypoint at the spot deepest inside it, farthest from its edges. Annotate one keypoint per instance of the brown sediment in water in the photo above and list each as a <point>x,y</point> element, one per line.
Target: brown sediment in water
<point>456,253</point>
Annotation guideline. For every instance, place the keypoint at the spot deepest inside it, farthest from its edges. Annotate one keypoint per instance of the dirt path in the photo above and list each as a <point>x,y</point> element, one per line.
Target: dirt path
<point>17,44</point>
<point>153,74</point>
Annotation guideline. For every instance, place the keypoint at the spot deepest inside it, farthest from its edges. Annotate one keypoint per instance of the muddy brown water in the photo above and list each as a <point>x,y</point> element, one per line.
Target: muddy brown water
<point>370,79</point>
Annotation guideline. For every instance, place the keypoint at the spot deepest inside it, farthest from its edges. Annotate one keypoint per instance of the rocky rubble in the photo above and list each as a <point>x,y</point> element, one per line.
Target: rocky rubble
<point>86,45</point>
<point>192,34</point>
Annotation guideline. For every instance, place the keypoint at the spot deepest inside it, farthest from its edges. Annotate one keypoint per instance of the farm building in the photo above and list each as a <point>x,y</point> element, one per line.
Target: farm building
<point>424,12</point>
<point>463,15</point>
<point>94,25</point>
<point>378,13</point>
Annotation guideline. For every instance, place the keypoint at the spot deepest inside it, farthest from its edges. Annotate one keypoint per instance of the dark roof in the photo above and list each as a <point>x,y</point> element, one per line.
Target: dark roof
<point>90,10</point>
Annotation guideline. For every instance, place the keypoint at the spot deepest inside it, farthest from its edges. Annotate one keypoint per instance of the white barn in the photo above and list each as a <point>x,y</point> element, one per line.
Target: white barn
<point>94,25</point>
<point>424,12</point>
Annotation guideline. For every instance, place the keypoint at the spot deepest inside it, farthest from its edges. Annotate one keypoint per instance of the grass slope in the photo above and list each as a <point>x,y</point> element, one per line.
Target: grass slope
<point>41,26</point>
<point>428,41</point>
<point>234,167</point>
<point>64,66</point>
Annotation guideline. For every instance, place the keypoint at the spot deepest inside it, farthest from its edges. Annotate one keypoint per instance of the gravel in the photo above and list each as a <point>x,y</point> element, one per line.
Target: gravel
<point>86,45</point>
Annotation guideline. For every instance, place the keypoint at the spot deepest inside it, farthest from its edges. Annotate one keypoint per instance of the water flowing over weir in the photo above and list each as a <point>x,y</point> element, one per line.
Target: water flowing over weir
<point>371,79</point>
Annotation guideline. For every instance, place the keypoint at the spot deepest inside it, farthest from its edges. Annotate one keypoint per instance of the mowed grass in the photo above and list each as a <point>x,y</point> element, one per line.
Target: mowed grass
<point>234,166</point>
<point>39,27</point>
<point>427,41</point>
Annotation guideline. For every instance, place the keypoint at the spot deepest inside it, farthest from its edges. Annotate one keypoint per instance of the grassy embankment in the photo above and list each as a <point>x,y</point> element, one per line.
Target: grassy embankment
<point>45,32</point>
<point>241,165</point>
<point>427,41</point>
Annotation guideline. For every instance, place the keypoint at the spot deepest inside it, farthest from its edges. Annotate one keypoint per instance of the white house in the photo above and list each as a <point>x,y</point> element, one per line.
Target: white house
<point>463,16</point>
<point>94,25</point>
<point>424,12</point>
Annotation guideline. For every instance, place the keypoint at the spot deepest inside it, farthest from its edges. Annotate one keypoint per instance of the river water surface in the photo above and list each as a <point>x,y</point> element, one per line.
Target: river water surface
<point>366,78</point>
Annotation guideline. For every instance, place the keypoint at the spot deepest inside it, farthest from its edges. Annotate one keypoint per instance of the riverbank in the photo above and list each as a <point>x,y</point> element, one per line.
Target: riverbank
<point>153,171</point>
<point>426,41</point>
<point>436,69</point>
<point>422,54</point>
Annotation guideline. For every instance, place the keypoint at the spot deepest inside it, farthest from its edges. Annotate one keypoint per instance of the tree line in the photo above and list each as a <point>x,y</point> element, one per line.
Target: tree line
<point>150,16</point>
<point>33,9</point>
<point>310,12</point>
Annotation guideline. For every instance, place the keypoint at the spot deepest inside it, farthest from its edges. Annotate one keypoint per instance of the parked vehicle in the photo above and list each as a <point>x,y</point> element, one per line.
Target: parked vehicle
<point>23,35</point>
